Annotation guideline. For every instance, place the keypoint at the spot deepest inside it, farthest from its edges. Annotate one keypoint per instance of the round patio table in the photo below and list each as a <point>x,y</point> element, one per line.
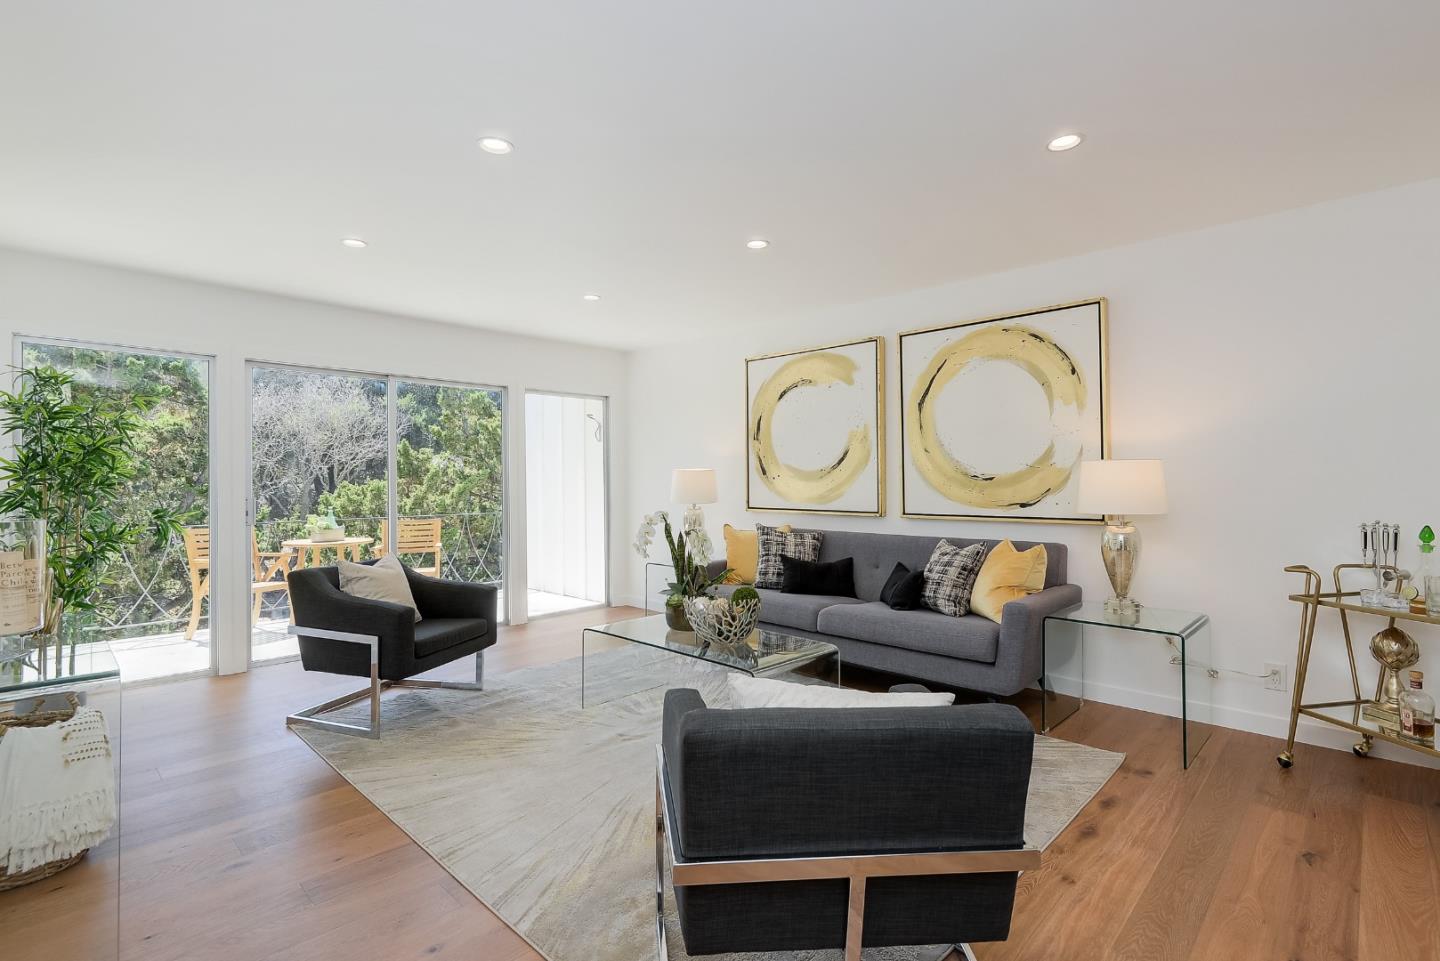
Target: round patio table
<point>308,551</point>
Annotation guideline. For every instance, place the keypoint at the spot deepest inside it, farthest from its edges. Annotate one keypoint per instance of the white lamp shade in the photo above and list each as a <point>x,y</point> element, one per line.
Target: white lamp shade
<point>692,485</point>
<point>1121,487</point>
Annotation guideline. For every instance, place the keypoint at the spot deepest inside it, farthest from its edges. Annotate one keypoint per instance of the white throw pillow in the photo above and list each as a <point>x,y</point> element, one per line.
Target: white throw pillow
<point>747,691</point>
<point>382,581</point>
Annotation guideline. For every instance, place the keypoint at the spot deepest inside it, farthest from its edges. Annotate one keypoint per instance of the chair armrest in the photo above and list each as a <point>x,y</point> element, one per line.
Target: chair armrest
<point>1026,615</point>
<point>678,703</point>
<point>1022,630</point>
<point>437,597</point>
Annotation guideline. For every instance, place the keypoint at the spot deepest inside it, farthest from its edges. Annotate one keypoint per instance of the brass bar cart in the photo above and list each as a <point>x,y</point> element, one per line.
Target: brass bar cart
<point>1347,714</point>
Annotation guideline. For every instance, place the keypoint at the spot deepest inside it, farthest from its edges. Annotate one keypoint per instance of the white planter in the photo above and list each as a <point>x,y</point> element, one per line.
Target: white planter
<point>328,536</point>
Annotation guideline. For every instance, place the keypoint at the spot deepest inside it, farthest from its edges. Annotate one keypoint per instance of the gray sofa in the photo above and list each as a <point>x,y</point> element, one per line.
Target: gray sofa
<point>970,652</point>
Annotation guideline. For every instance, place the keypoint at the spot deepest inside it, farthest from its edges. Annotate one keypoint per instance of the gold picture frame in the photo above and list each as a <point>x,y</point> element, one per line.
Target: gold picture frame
<point>918,496</point>
<point>771,485</point>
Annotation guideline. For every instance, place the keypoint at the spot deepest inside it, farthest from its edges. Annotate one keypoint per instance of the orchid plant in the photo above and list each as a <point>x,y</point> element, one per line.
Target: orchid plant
<point>689,556</point>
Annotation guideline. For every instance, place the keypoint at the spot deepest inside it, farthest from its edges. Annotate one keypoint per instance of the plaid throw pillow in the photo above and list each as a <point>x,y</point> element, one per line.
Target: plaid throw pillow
<point>776,543</point>
<point>950,577</point>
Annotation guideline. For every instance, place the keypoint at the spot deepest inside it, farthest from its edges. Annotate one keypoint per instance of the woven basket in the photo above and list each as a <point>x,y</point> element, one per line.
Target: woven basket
<point>49,869</point>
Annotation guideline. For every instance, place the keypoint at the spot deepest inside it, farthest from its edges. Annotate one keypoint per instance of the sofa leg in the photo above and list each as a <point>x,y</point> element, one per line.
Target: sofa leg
<point>964,951</point>
<point>479,670</point>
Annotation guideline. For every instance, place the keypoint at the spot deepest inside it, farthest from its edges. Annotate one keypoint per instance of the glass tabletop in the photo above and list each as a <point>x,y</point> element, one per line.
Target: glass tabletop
<point>1153,620</point>
<point>763,652</point>
<point>25,670</point>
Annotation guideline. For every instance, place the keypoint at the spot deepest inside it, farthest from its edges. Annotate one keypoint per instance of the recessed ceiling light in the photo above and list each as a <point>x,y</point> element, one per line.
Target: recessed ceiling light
<point>757,244</point>
<point>1068,141</point>
<point>355,242</point>
<point>496,145</point>
<point>590,297</point>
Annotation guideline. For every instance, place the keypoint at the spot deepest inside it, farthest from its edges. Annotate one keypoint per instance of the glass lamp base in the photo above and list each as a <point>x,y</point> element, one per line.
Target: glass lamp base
<point>1122,606</point>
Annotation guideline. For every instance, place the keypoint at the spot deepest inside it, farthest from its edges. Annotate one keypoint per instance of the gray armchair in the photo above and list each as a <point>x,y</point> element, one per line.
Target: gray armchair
<point>828,828</point>
<point>343,634</point>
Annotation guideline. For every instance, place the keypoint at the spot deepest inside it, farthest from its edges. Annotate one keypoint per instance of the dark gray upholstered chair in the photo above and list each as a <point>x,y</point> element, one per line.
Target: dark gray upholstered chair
<point>343,634</point>
<point>805,828</point>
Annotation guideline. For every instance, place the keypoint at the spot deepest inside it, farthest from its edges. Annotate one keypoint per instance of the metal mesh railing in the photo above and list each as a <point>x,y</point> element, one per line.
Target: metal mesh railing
<point>149,591</point>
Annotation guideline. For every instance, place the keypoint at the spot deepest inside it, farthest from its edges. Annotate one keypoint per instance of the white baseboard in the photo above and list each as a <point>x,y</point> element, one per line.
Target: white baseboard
<point>1308,732</point>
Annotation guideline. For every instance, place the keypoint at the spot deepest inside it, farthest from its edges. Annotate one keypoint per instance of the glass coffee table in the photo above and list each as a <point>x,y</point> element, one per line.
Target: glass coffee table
<point>764,653</point>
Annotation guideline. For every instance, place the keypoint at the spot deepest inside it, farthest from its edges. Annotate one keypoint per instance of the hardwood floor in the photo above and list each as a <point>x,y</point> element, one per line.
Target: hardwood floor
<point>240,843</point>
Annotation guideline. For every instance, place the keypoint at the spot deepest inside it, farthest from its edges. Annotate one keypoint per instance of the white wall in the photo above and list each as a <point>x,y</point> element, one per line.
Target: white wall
<point>1285,368</point>
<point>52,297</point>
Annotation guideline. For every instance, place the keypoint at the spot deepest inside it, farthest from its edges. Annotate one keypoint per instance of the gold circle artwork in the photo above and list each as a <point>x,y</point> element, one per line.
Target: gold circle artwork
<point>803,485</point>
<point>1040,357</point>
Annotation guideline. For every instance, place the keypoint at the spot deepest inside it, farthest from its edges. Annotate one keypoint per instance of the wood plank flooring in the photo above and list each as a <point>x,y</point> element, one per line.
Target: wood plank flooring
<point>239,844</point>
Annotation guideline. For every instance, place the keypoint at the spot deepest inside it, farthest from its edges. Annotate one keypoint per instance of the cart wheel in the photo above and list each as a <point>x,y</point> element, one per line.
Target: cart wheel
<point>1362,749</point>
<point>1285,759</point>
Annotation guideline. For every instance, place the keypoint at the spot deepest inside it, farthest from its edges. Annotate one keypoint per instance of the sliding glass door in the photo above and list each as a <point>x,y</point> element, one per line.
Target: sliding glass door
<point>319,446</point>
<point>148,608</point>
<point>450,480</point>
<point>358,466</point>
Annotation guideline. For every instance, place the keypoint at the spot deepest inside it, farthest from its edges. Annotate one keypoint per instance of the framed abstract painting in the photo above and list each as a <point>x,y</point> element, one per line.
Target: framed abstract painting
<point>815,429</point>
<point>997,414</point>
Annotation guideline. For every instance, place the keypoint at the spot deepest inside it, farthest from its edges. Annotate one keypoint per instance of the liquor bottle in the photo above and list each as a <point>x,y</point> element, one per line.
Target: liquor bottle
<point>1417,711</point>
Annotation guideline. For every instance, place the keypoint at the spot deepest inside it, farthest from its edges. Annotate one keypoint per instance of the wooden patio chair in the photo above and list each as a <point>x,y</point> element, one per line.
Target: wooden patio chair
<point>415,535</point>
<point>265,565</point>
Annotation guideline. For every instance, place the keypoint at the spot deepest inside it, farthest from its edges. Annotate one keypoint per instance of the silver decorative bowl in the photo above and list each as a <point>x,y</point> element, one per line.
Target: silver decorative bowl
<point>720,621</point>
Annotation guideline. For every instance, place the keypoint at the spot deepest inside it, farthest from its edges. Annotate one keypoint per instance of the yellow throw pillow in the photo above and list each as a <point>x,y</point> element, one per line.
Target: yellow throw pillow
<point>1007,575</point>
<point>742,554</point>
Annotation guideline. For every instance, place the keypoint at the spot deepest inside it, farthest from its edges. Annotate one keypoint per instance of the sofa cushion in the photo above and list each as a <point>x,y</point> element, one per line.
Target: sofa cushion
<point>435,634</point>
<point>970,637</point>
<point>836,578</point>
<point>950,577</point>
<point>1007,575</point>
<point>742,553</point>
<point>774,543</point>
<point>382,580</point>
<point>800,611</point>
<point>751,692</point>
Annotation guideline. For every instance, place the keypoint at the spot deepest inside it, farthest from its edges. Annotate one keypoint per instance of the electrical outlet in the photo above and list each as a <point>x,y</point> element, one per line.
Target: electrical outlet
<point>1275,677</point>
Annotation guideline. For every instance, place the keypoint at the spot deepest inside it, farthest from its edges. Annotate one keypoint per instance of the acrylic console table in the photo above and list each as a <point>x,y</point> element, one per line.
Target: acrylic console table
<point>1186,633</point>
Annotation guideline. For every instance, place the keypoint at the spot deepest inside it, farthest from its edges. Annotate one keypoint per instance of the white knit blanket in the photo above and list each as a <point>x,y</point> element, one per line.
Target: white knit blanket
<point>57,791</point>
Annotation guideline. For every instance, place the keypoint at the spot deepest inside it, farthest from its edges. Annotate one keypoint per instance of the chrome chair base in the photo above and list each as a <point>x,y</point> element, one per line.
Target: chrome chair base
<point>311,716</point>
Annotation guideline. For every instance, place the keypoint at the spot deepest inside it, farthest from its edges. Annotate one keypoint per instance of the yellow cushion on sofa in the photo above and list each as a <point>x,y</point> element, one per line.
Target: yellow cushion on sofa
<point>1007,575</point>
<point>742,554</point>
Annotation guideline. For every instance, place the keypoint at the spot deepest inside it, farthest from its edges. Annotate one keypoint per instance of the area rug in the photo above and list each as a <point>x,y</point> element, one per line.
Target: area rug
<point>545,811</point>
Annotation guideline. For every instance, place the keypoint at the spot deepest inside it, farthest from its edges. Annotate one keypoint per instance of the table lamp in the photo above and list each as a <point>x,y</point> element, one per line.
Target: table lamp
<point>693,486</point>
<point>1117,489</point>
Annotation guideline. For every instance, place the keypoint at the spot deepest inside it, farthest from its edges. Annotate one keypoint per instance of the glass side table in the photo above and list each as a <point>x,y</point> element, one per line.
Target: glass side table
<point>1187,639</point>
<point>75,914</point>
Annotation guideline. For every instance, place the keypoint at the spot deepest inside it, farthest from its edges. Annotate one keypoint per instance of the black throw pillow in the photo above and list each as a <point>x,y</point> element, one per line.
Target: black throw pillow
<point>834,579</point>
<point>908,595</point>
<point>893,581</point>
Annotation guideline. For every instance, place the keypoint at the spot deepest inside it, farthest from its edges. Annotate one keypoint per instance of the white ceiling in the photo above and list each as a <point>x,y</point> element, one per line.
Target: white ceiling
<point>881,146</point>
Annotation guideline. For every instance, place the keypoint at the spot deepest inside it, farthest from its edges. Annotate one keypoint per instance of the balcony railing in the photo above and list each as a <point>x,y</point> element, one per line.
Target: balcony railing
<point>150,593</point>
